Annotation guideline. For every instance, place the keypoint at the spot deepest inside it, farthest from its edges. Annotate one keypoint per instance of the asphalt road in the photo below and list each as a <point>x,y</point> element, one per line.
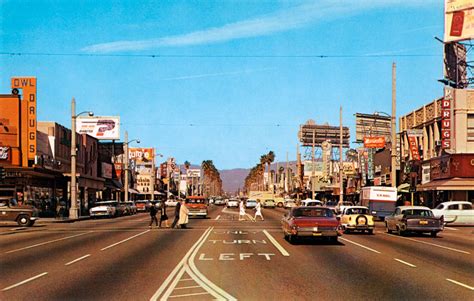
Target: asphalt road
<point>223,258</point>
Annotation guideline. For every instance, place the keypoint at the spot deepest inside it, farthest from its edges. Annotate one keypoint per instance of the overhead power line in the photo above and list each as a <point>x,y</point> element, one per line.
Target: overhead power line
<point>153,56</point>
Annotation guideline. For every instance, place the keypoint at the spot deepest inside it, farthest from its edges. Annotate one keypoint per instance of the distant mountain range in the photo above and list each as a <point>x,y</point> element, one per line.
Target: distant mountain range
<point>233,179</point>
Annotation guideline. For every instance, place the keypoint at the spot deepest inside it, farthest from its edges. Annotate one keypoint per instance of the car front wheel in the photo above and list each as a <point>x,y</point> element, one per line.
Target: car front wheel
<point>434,233</point>
<point>23,221</point>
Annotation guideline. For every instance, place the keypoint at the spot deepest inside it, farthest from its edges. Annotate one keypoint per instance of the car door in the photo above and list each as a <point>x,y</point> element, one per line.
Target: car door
<point>391,219</point>
<point>467,214</point>
<point>451,213</point>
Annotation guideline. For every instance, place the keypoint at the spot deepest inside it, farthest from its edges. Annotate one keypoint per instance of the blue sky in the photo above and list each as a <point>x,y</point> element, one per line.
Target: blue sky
<point>231,80</point>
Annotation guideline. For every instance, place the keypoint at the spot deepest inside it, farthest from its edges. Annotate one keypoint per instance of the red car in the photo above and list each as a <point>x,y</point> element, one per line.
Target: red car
<point>314,221</point>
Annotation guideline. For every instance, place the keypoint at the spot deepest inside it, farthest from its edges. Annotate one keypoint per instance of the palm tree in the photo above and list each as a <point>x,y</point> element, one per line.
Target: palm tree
<point>187,164</point>
<point>270,158</point>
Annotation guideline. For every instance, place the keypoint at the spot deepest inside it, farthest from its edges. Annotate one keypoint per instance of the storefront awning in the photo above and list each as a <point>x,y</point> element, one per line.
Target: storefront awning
<point>448,184</point>
<point>131,190</point>
<point>112,184</point>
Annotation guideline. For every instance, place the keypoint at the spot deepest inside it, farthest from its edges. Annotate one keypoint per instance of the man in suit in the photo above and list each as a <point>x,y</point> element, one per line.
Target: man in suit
<point>176,214</point>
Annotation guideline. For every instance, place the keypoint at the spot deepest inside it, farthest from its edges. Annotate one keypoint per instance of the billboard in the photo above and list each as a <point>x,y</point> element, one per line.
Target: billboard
<point>458,20</point>
<point>310,133</point>
<point>372,125</point>
<point>100,127</point>
<point>141,155</point>
<point>374,142</point>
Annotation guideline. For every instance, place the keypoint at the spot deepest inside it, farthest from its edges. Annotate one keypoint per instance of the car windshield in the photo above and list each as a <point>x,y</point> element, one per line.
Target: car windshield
<point>357,211</point>
<point>418,212</point>
<point>312,212</point>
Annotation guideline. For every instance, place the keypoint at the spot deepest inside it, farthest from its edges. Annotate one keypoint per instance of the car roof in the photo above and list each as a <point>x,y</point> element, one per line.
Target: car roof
<point>456,202</point>
<point>347,207</point>
<point>413,207</point>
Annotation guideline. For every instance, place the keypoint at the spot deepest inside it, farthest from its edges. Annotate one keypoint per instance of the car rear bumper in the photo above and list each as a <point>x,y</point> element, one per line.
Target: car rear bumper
<point>423,229</point>
<point>197,213</point>
<point>360,227</point>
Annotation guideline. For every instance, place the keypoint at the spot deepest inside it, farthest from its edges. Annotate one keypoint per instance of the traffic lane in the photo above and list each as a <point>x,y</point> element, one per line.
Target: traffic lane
<point>129,271</point>
<point>313,269</point>
<point>34,257</point>
<point>427,252</point>
<point>54,231</point>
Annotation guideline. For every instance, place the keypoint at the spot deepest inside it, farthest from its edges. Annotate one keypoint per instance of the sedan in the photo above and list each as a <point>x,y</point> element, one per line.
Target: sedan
<point>455,213</point>
<point>233,203</point>
<point>314,222</point>
<point>269,203</point>
<point>250,203</point>
<point>413,219</point>
<point>104,209</point>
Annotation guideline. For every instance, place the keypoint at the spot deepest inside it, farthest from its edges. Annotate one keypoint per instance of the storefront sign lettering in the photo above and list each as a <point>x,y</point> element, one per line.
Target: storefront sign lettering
<point>4,150</point>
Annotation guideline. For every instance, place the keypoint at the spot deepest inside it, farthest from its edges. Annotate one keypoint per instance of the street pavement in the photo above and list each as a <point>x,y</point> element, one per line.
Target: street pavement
<point>223,258</point>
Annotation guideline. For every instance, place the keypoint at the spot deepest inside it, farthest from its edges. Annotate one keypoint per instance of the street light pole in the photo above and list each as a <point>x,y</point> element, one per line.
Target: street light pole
<point>125,152</point>
<point>73,210</point>
<point>393,175</point>
<point>341,183</point>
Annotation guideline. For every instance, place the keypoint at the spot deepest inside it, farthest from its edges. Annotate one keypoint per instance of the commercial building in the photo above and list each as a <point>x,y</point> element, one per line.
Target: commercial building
<point>437,148</point>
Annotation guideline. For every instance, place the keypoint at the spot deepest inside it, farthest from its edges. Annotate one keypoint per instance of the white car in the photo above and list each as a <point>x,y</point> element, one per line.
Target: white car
<point>171,202</point>
<point>103,209</point>
<point>310,202</point>
<point>219,202</point>
<point>233,203</point>
<point>250,203</point>
<point>455,212</point>
<point>289,204</point>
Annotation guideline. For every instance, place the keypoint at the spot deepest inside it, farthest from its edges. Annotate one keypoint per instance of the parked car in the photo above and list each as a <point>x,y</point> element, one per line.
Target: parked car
<point>280,202</point>
<point>315,222</point>
<point>130,208</point>
<point>310,202</point>
<point>413,219</point>
<point>121,209</point>
<point>250,203</point>
<point>197,206</point>
<point>104,209</point>
<point>357,218</point>
<point>24,215</point>
<point>289,203</point>
<point>455,213</point>
<point>268,203</point>
<point>233,203</point>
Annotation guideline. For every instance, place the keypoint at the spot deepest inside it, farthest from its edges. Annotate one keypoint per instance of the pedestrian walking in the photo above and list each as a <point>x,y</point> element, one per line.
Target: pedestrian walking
<point>183,215</point>
<point>163,215</point>
<point>176,214</point>
<point>241,211</point>
<point>258,211</point>
<point>153,213</point>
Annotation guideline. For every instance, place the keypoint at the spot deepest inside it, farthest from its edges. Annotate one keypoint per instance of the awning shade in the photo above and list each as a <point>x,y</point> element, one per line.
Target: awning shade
<point>113,184</point>
<point>448,184</point>
<point>131,190</point>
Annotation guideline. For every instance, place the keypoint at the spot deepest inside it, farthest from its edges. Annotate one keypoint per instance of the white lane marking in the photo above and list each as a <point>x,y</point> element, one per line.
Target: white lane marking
<point>186,287</point>
<point>404,262</point>
<point>276,244</point>
<point>461,284</point>
<point>78,259</point>
<point>362,246</point>
<point>449,228</point>
<point>46,242</point>
<point>431,244</point>
<point>188,295</point>
<point>24,281</point>
<point>218,217</point>
<point>177,268</point>
<point>122,241</point>
<point>187,279</point>
<point>193,271</point>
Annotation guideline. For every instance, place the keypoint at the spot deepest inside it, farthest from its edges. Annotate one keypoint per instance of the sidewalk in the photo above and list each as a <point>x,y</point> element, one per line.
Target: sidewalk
<point>50,220</point>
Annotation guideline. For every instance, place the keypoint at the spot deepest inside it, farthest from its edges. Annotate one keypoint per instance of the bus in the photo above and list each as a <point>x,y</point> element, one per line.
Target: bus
<point>380,200</point>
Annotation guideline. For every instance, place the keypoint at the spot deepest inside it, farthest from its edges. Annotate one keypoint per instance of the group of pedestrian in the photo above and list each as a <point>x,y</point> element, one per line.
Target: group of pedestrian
<point>243,214</point>
<point>180,215</point>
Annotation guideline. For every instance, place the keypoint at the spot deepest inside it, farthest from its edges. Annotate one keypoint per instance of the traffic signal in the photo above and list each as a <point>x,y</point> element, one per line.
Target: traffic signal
<point>3,173</point>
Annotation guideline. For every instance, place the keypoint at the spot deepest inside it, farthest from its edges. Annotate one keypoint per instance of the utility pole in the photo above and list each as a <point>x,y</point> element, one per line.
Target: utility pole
<point>73,210</point>
<point>341,183</point>
<point>287,176</point>
<point>168,165</point>
<point>153,175</point>
<point>312,165</point>
<point>125,157</point>
<point>393,175</point>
